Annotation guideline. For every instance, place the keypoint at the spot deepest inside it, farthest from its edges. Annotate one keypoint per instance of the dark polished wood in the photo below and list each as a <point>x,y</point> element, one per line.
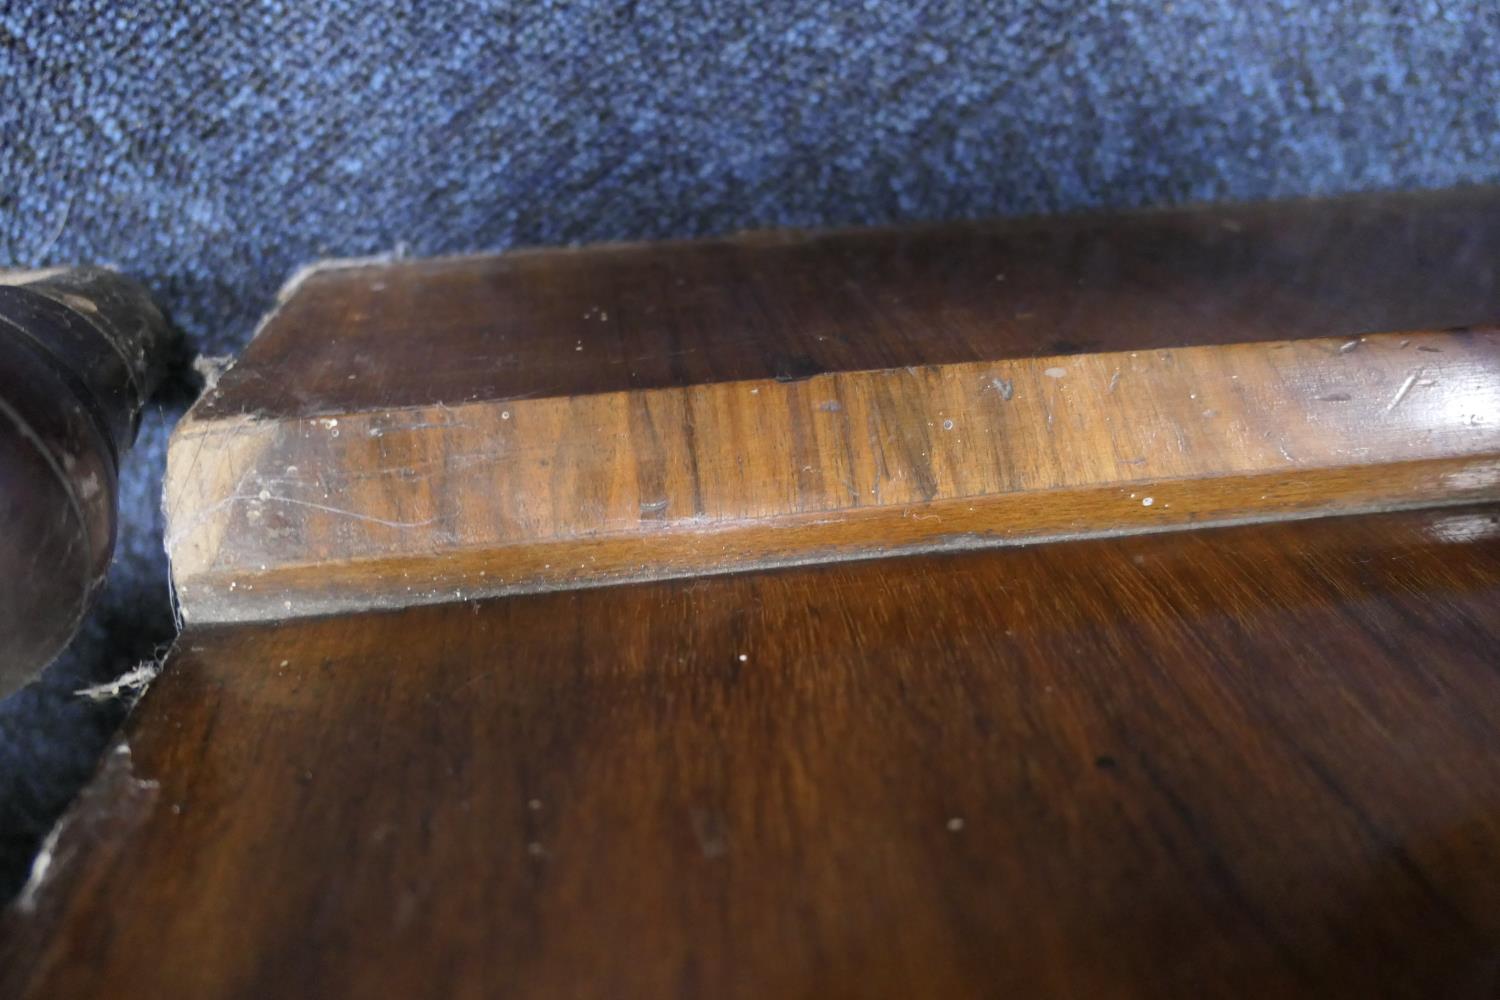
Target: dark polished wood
<point>1255,761</point>
<point>1260,760</point>
<point>788,305</point>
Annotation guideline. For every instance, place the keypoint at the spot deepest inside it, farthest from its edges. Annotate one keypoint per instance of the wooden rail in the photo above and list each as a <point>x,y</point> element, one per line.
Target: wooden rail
<point>273,518</point>
<point>403,432</point>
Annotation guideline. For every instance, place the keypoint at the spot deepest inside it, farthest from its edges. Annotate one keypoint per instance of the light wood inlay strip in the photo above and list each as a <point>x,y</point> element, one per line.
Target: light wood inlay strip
<point>421,504</point>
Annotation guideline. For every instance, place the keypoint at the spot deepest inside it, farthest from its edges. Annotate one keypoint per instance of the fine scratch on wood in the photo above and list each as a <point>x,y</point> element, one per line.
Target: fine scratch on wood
<point>1411,380</point>
<point>353,515</point>
<point>202,516</point>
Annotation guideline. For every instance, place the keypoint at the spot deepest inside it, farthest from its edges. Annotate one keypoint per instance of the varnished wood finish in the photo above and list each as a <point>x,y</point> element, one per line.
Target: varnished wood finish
<point>1260,760</point>
<point>406,432</point>
<point>791,304</point>
<point>381,508</point>
<point>1257,761</point>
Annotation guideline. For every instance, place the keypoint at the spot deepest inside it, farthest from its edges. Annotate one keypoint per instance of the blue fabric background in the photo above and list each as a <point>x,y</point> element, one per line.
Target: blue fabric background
<point>211,148</point>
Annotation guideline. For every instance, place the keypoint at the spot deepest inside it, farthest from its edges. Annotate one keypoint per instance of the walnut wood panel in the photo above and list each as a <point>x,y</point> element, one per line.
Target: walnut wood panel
<point>382,507</point>
<point>767,305</point>
<point>1254,761</point>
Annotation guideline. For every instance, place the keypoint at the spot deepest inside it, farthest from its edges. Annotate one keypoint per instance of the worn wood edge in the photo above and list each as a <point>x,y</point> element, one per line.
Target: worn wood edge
<point>98,828</point>
<point>368,554</point>
<point>312,589</point>
<point>1229,211</point>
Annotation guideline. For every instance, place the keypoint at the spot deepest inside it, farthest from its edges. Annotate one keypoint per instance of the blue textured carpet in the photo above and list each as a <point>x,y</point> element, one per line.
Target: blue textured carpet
<point>209,149</point>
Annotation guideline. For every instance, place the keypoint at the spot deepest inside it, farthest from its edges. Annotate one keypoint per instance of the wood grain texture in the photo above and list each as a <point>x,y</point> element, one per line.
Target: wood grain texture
<point>392,507</point>
<point>1254,761</point>
<point>573,322</point>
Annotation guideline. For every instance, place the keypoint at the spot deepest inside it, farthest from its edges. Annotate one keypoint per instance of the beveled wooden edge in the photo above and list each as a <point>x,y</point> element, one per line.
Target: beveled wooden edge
<point>279,518</point>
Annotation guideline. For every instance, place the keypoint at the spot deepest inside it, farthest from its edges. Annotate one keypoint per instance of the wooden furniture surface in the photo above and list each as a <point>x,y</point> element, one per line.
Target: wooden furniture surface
<point>1259,761</point>
<point>383,508</point>
<point>405,432</point>
<point>389,334</point>
<point>548,632</point>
